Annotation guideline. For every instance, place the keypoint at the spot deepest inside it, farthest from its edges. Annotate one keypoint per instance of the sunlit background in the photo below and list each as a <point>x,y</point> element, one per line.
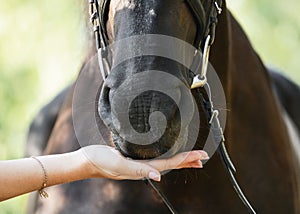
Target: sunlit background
<point>42,46</point>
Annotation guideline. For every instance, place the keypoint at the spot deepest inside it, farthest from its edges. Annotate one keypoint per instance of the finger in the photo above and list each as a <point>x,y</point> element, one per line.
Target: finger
<point>139,170</point>
<point>182,160</point>
<point>194,164</point>
<point>193,159</point>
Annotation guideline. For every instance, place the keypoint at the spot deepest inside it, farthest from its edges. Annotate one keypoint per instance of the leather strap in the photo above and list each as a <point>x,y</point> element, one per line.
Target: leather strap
<point>199,14</point>
<point>104,8</point>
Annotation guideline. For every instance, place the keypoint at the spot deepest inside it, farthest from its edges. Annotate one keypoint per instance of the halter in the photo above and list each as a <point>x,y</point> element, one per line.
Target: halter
<point>206,27</point>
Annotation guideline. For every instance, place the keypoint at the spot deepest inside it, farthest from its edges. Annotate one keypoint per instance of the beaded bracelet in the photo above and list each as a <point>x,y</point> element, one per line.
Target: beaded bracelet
<point>42,191</point>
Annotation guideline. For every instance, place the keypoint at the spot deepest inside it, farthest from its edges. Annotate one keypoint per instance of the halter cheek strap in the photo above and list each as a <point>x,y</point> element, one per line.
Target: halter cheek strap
<point>200,17</point>
<point>97,21</point>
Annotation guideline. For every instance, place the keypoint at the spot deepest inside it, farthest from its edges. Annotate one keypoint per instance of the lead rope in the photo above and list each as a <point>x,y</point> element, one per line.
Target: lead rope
<point>218,136</point>
<point>162,196</point>
<point>200,80</point>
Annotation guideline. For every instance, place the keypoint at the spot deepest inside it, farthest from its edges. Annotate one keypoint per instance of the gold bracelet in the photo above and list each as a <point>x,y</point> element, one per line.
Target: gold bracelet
<point>42,191</point>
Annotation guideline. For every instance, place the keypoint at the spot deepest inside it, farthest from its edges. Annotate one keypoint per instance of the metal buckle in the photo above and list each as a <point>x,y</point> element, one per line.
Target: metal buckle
<point>219,9</point>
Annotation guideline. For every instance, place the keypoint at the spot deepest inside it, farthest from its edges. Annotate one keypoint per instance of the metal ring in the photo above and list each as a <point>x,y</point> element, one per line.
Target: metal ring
<point>205,57</point>
<point>198,82</point>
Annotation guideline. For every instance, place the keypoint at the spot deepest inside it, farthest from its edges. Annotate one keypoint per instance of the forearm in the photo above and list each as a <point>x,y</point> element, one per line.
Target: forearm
<point>26,175</point>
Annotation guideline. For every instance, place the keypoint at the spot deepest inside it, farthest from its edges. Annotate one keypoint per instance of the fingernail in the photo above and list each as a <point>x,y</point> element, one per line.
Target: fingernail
<point>154,176</point>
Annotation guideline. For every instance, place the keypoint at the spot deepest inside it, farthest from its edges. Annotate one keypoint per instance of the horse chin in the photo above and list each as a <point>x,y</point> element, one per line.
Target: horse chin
<point>165,147</point>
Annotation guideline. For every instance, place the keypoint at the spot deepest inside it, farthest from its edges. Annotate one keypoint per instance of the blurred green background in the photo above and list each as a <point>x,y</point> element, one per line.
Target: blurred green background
<point>41,50</point>
<point>40,53</point>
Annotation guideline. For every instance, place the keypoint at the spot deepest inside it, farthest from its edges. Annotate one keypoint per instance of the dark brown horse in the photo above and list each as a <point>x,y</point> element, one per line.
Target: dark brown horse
<point>257,137</point>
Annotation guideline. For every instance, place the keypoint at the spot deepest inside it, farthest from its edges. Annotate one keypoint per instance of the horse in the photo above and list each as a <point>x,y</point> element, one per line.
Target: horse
<point>260,103</point>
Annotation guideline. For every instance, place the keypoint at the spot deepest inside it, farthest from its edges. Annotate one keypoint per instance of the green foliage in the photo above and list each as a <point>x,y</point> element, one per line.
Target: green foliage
<point>41,51</point>
<point>274,29</point>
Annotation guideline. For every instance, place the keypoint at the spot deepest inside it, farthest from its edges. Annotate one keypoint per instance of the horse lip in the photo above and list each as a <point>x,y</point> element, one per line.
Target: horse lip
<point>117,139</point>
<point>179,143</point>
<point>117,146</point>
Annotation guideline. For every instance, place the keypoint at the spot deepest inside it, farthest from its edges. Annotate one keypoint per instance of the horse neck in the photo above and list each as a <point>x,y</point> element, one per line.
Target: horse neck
<point>255,130</point>
<point>248,89</point>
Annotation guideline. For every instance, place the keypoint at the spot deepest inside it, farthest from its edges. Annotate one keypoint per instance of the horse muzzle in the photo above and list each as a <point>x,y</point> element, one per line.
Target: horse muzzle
<point>144,124</point>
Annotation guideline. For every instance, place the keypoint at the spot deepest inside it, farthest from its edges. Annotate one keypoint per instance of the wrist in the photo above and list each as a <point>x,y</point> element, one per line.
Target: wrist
<point>87,165</point>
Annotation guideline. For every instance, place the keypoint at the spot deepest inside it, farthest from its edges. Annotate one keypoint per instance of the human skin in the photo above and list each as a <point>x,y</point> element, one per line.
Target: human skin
<point>97,161</point>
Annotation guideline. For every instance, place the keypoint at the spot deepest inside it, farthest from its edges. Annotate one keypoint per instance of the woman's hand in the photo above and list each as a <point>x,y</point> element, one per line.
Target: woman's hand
<point>28,174</point>
<point>105,161</point>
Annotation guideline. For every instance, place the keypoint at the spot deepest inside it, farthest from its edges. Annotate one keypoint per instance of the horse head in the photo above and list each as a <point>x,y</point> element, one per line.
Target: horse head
<point>153,120</point>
